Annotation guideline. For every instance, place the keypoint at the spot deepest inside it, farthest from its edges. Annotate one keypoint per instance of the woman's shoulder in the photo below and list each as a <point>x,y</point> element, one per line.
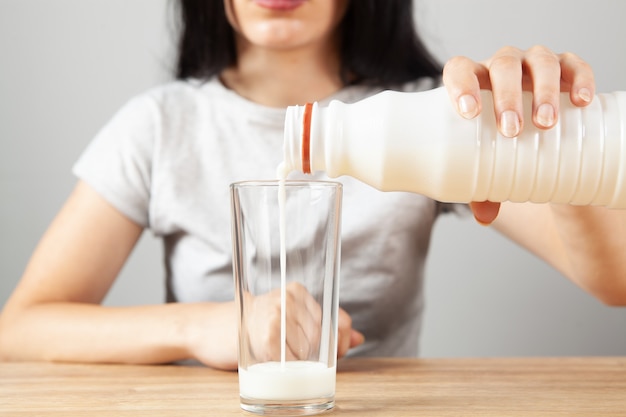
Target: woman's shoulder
<point>211,96</point>
<point>182,90</point>
<point>358,92</point>
<point>177,100</point>
<point>153,102</point>
<point>419,84</point>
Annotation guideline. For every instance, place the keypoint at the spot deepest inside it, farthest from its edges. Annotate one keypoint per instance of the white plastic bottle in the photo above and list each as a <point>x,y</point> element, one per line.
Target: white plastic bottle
<point>417,142</point>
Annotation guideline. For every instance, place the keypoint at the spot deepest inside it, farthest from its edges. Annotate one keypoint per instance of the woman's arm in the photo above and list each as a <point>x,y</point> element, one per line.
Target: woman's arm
<point>587,244</point>
<point>55,312</point>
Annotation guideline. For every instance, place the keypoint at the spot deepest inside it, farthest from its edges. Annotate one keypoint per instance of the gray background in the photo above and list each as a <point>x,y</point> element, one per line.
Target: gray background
<point>67,65</point>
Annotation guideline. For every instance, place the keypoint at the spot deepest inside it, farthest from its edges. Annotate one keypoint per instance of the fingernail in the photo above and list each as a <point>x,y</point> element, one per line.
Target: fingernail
<point>509,124</point>
<point>545,115</point>
<point>468,106</point>
<point>585,95</point>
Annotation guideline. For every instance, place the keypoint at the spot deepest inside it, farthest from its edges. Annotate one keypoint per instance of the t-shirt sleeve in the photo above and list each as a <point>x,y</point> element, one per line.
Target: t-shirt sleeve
<point>118,162</point>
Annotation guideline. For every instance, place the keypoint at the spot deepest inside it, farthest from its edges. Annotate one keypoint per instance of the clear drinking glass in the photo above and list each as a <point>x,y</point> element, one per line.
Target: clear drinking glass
<point>287,299</point>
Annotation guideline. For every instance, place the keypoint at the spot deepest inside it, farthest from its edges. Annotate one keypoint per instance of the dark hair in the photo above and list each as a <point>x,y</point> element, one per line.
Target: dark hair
<point>379,43</point>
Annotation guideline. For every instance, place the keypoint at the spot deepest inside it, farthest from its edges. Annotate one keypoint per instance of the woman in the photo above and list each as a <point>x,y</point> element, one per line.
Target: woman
<point>165,161</point>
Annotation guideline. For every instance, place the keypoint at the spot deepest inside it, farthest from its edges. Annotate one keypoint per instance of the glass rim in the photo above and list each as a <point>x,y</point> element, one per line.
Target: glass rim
<point>288,183</point>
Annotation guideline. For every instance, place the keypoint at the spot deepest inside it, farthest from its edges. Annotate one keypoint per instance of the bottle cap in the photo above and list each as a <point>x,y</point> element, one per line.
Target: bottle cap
<point>306,138</point>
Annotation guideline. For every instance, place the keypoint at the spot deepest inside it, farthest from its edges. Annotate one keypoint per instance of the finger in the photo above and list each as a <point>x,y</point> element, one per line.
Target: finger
<point>462,78</point>
<point>344,333</point>
<point>577,77</point>
<point>505,74</point>
<point>312,306</point>
<point>265,329</point>
<point>297,343</point>
<point>311,325</point>
<point>304,321</point>
<point>544,69</point>
<point>356,338</point>
<point>265,335</point>
<point>303,337</point>
<point>485,212</point>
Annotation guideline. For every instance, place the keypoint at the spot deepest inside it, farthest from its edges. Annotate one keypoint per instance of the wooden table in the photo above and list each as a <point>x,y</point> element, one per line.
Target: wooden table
<point>590,387</point>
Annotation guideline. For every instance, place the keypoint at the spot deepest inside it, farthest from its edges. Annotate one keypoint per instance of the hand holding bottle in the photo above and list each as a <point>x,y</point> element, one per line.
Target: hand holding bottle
<point>507,73</point>
<point>417,142</point>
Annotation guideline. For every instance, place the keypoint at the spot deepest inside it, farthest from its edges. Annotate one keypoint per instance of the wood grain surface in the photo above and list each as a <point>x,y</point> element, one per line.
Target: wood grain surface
<point>365,387</point>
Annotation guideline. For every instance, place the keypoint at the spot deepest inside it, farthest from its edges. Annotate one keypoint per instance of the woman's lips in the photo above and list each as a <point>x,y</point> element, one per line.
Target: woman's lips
<point>282,5</point>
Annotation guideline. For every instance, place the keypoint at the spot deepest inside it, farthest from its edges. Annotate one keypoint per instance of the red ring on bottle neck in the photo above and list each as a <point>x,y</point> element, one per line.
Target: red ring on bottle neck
<point>306,138</point>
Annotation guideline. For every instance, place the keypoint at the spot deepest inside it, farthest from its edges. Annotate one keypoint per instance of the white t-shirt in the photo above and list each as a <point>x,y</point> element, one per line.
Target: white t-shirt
<point>166,161</point>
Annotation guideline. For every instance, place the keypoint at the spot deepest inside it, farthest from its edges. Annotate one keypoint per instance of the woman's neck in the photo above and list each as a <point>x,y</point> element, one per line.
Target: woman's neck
<point>281,78</point>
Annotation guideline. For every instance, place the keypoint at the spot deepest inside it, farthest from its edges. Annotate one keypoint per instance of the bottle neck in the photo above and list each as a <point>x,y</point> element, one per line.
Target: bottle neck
<point>292,139</point>
<point>297,139</point>
<point>306,138</point>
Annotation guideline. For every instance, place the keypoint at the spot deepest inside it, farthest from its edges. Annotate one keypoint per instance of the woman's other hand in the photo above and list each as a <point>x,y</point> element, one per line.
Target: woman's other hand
<point>303,325</point>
